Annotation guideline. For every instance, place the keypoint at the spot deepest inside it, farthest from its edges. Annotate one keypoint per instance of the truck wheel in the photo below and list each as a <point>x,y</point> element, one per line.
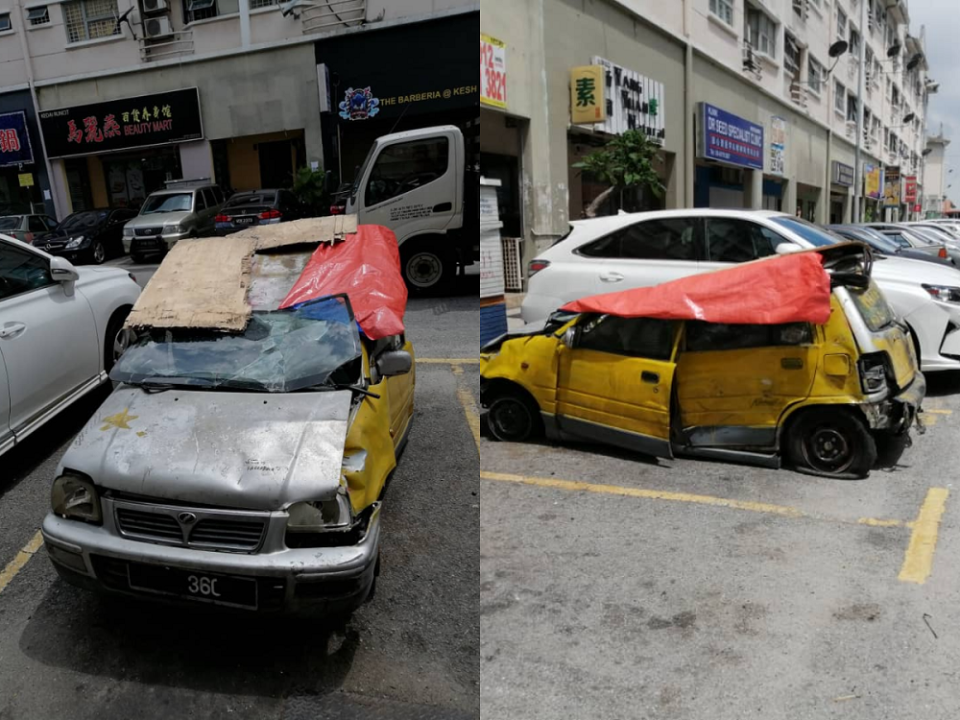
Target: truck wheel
<point>831,442</point>
<point>427,269</point>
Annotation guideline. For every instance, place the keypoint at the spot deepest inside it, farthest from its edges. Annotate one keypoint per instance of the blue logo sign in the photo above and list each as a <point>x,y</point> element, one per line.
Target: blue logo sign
<point>359,104</point>
<point>731,139</point>
<point>14,140</point>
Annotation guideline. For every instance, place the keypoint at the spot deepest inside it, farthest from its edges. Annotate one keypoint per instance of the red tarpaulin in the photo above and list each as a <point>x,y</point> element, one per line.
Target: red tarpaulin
<point>365,266</point>
<point>789,288</point>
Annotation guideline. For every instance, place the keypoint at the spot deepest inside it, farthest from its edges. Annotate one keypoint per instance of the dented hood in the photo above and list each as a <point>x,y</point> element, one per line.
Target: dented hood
<point>257,451</point>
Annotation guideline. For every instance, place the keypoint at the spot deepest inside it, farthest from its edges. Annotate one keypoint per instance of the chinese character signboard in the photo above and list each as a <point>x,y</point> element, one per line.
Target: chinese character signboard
<point>634,102</point>
<point>159,119</point>
<point>729,138</point>
<point>871,181</point>
<point>15,146</point>
<point>909,189</point>
<point>891,186</point>
<point>842,174</point>
<point>587,99</point>
<point>493,72</point>
<point>778,145</point>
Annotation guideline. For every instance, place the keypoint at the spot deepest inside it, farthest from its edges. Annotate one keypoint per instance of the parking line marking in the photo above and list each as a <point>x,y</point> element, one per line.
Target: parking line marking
<point>22,558</point>
<point>875,522</point>
<point>469,407</point>
<point>449,361</point>
<point>918,558</point>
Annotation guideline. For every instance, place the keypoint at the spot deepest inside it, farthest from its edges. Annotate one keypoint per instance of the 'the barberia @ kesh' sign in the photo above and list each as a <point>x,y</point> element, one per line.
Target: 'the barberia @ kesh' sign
<point>157,119</point>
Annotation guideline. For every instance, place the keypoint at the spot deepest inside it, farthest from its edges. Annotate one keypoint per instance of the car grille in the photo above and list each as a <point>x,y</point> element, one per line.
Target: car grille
<point>147,232</point>
<point>207,530</point>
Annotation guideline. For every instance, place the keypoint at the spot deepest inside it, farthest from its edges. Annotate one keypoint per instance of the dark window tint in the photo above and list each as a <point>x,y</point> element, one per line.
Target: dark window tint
<point>634,337</point>
<point>35,224</point>
<point>124,214</point>
<point>665,239</point>
<point>200,203</point>
<point>733,240</point>
<point>897,238</point>
<point>21,271</point>
<point>704,337</point>
<point>209,197</point>
<point>406,166</point>
<point>48,221</point>
<point>218,195</point>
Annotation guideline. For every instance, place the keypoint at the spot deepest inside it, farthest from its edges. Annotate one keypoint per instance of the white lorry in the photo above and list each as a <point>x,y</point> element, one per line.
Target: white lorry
<point>422,185</point>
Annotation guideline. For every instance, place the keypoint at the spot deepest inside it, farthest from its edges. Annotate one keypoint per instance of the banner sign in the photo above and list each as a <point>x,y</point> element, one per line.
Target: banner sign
<point>872,184</point>
<point>891,187</point>
<point>493,72</point>
<point>15,146</point>
<point>909,189</point>
<point>634,102</point>
<point>842,174</point>
<point>730,139</point>
<point>778,145</point>
<point>587,100</point>
<point>157,119</point>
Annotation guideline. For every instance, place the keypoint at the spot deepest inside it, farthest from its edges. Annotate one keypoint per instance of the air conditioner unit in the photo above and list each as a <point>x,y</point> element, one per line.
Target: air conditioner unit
<point>155,6</point>
<point>157,27</point>
<point>798,94</point>
<point>751,63</point>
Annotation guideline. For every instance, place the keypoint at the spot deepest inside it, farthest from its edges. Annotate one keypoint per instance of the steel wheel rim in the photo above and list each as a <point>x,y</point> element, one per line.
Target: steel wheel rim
<point>99,253</point>
<point>424,269</point>
<point>828,449</point>
<point>512,419</point>
<point>120,344</point>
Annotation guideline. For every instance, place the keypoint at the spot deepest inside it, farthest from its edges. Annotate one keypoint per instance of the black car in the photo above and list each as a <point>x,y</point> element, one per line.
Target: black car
<point>257,207</point>
<point>88,236</point>
<point>884,245</point>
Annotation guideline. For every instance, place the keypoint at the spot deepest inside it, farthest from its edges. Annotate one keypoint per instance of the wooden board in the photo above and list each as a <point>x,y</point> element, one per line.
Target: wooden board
<point>300,232</point>
<point>200,284</point>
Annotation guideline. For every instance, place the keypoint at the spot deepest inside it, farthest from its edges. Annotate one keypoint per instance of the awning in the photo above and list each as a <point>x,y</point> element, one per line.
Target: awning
<point>788,288</point>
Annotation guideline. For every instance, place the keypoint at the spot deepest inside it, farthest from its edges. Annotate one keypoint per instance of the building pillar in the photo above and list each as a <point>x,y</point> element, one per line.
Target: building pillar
<point>847,208</point>
<point>59,189</point>
<point>790,197</point>
<point>753,190</point>
<point>823,208</point>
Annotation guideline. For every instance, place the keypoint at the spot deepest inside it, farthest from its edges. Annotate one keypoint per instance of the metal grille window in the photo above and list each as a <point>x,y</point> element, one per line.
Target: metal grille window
<point>854,44</point>
<point>852,108</point>
<point>839,97</point>
<point>791,55</point>
<point>761,32</point>
<point>254,4</point>
<point>841,24</point>
<point>200,9</point>
<point>38,16</point>
<point>815,70</point>
<point>5,22</point>
<point>90,19</point>
<point>723,9</point>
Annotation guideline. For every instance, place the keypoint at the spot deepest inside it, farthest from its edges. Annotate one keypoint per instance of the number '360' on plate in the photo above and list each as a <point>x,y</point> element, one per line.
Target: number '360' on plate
<point>191,585</point>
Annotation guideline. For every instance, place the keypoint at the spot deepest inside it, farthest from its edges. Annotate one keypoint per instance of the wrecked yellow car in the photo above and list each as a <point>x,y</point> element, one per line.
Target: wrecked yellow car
<point>257,415</point>
<point>796,357</point>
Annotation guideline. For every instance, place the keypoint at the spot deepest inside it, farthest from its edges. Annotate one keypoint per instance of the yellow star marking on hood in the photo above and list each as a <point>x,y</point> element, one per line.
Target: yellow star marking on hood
<point>119,420</point>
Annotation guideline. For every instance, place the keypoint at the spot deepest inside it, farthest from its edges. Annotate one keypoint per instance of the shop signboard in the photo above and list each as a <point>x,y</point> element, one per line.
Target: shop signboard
<point>778,145</point>
<point>891,187</point>
<point>587,98</point>
<point>872,185</point>
<point>15,148</point>
<point>493,72</point>
<point>634,102</point>
<point>142,121</point>
<point>842,174</point>
<point>731,139</point>
<point>909,189</point>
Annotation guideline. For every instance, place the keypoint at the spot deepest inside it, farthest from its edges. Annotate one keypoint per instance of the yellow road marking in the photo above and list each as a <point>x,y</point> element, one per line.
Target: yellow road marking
<point>938,412</point>
<point>918,558</point>
<point>469,407</point>
<point>875,522</point>
<point>449,361</point>
<point>22,558</point>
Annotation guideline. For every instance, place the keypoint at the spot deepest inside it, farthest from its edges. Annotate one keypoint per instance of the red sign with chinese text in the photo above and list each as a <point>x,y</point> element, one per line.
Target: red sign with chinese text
<point>909,189</point>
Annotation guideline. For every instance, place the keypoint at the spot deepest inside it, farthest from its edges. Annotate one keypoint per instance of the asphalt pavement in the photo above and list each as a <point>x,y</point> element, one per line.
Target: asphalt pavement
<point>410,653</point>
<point>617,586</point>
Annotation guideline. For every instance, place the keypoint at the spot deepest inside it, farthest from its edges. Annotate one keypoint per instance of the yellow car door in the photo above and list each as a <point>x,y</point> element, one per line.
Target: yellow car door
<point>614,382</point>
<point>734,382</point>
<point>400,390</point>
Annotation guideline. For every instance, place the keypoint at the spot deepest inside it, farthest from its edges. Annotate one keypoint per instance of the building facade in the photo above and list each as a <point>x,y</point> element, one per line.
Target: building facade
<point>125,95</point>
<point>753,103</point>
<point>935,176</point>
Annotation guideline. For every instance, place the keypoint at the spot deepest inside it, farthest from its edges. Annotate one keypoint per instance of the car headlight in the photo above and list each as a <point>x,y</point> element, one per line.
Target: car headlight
<point>322,516</point>
<point>74,496</point>
<point>945,293</point>
<point>172,229</point>
<point>128,232</point>
<point>74,243</point>
<point>873,373</point>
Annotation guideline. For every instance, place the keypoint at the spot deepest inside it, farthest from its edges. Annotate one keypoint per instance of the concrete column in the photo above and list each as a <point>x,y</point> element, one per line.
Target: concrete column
<point>847,207</point>
<point>790,197</point>
<point>823,208</point>
<point>245,23</point>
<point>196,160</point>
<point>59,189</point>
<point>753,190</point>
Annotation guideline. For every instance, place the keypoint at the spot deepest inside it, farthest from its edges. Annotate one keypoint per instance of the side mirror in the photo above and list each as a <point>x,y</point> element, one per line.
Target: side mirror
<point>787,248</point>
<point>569,337</point>
<point>62,270</point>
<point>394,362</point>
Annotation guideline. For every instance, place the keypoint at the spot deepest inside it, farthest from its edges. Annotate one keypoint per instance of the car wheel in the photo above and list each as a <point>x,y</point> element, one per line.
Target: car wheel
<point>98,253</point>
<point>427,269</point>
<point>117,341</point>
<point>513,418</point>
<point>137,258</point>
<point>831,443</point>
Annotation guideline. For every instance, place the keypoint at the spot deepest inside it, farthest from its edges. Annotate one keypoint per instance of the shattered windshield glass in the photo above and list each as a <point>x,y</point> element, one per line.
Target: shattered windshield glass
<point>312,345</point>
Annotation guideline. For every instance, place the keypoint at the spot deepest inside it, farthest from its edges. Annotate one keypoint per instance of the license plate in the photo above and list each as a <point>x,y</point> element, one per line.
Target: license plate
<point>243,220</point>
<point>200,586</point>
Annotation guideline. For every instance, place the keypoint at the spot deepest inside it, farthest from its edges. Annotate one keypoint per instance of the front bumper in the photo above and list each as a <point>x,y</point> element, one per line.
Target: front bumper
<point>149,242</point>
<point>898,413</point>
<point>290,581</point>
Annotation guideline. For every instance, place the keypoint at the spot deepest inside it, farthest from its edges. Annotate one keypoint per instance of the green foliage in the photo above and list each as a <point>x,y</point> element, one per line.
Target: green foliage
<point>310,188</point>
<point>625,162</point>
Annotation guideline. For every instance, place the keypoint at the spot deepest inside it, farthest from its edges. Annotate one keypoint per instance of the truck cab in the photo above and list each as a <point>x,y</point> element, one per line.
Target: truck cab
<point>418,184</point>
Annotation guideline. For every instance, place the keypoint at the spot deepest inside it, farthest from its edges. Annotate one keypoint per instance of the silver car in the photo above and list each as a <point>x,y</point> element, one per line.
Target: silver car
<point>171,215</point>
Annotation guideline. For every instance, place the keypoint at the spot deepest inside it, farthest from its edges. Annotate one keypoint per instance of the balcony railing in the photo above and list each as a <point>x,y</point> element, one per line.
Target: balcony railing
<point>317,17</point>
<point>178,44</point>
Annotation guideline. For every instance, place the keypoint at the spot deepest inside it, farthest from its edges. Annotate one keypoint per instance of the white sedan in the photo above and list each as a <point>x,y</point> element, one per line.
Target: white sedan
<point>60,333</point>
<point>643,249</point>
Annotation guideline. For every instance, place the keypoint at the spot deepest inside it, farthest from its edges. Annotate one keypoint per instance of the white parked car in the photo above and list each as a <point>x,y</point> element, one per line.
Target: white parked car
<point>60,333</point>
<point>642,249</point>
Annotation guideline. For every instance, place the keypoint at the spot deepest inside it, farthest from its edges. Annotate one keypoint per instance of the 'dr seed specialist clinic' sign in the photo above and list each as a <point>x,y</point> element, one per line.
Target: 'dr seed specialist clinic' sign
<point>729,138</point>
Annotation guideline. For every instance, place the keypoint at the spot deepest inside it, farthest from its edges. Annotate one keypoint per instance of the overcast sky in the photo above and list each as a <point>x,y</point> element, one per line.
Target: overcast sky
<point>942,21</point>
